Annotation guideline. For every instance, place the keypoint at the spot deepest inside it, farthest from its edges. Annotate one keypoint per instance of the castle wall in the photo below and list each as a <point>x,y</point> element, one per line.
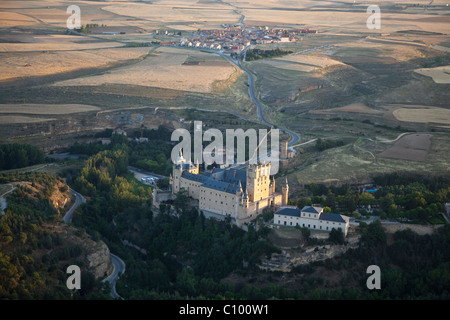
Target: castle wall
<point>217,201</point>
<point>193,187</point>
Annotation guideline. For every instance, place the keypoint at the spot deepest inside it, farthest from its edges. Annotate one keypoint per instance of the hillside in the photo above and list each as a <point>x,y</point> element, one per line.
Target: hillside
<point>36,247</point>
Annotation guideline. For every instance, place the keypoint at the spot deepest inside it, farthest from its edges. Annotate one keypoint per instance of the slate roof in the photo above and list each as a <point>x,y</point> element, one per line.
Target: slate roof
<point>331,217</point>
<point>194,177</point>
<point>232,177</point>
<point>310,209</point>
<point>293,212</point>
<point>221,186</point>
<point>224,180</point>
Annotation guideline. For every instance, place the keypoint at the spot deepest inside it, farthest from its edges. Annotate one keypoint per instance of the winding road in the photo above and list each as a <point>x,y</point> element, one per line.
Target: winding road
<point>251,90</point>
<point>79,199</point>
<point>118,264</point>
<point>3,202</point>
<point>119,269</point>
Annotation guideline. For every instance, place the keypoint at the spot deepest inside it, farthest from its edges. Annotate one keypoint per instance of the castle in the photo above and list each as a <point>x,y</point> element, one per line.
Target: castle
<point>241,192</point>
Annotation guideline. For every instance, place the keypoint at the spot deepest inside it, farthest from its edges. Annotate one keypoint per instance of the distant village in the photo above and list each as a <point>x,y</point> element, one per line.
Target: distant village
<point>234,39</point>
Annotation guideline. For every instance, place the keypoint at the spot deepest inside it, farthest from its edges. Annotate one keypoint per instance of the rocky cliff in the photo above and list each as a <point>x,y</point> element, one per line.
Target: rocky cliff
<point>96,255</point>
<point>290,258</point>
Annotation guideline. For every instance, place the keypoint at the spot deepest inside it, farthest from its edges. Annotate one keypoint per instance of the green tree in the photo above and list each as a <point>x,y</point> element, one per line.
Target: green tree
<point>336,236</point>
<point>181,200</point>
<point>186,282</point>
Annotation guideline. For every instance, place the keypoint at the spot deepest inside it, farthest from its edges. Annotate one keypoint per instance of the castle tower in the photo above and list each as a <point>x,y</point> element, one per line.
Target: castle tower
<point>245,200</point>
<point>258,181</point>
<point>272,186</point>
<point>283,150</point>
<point>251,178</point>
<point>284,194</point>
<point>177,172</point>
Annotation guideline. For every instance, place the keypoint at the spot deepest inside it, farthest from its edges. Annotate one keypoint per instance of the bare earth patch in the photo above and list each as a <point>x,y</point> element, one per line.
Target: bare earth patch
<point>412,147</point>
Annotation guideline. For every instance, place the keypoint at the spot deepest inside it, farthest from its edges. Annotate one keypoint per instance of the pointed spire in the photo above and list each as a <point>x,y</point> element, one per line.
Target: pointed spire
<point>180,156</point>
<point>238,188</point>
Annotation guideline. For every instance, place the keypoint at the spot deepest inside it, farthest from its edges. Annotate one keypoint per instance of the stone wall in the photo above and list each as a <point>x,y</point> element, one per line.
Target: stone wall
<point>288,259</point>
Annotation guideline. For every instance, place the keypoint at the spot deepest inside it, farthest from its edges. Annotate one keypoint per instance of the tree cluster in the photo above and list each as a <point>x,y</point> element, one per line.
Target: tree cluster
<point>257,54</point>
<point>14,156</point>
<point>398,196</point>
<point>33,258</point>
<point>322,145</point>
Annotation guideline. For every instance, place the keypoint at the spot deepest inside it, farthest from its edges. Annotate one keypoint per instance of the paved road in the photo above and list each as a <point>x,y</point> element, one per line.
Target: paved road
<point>251,90</point>
<point>139,173</point>
<point>79,199</point>
<point>118,264</point>
<point>119,269</point>
<point>3,202</point>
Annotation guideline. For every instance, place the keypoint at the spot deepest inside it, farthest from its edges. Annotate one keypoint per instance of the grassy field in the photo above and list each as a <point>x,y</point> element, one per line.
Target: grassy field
<point>46,108</point>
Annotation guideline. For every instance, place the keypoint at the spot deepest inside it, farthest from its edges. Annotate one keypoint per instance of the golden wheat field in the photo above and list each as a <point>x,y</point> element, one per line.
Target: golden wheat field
<point>165,68</point>
<point>31,64</point>
<point>438,74</point>
<point>423,115</point>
